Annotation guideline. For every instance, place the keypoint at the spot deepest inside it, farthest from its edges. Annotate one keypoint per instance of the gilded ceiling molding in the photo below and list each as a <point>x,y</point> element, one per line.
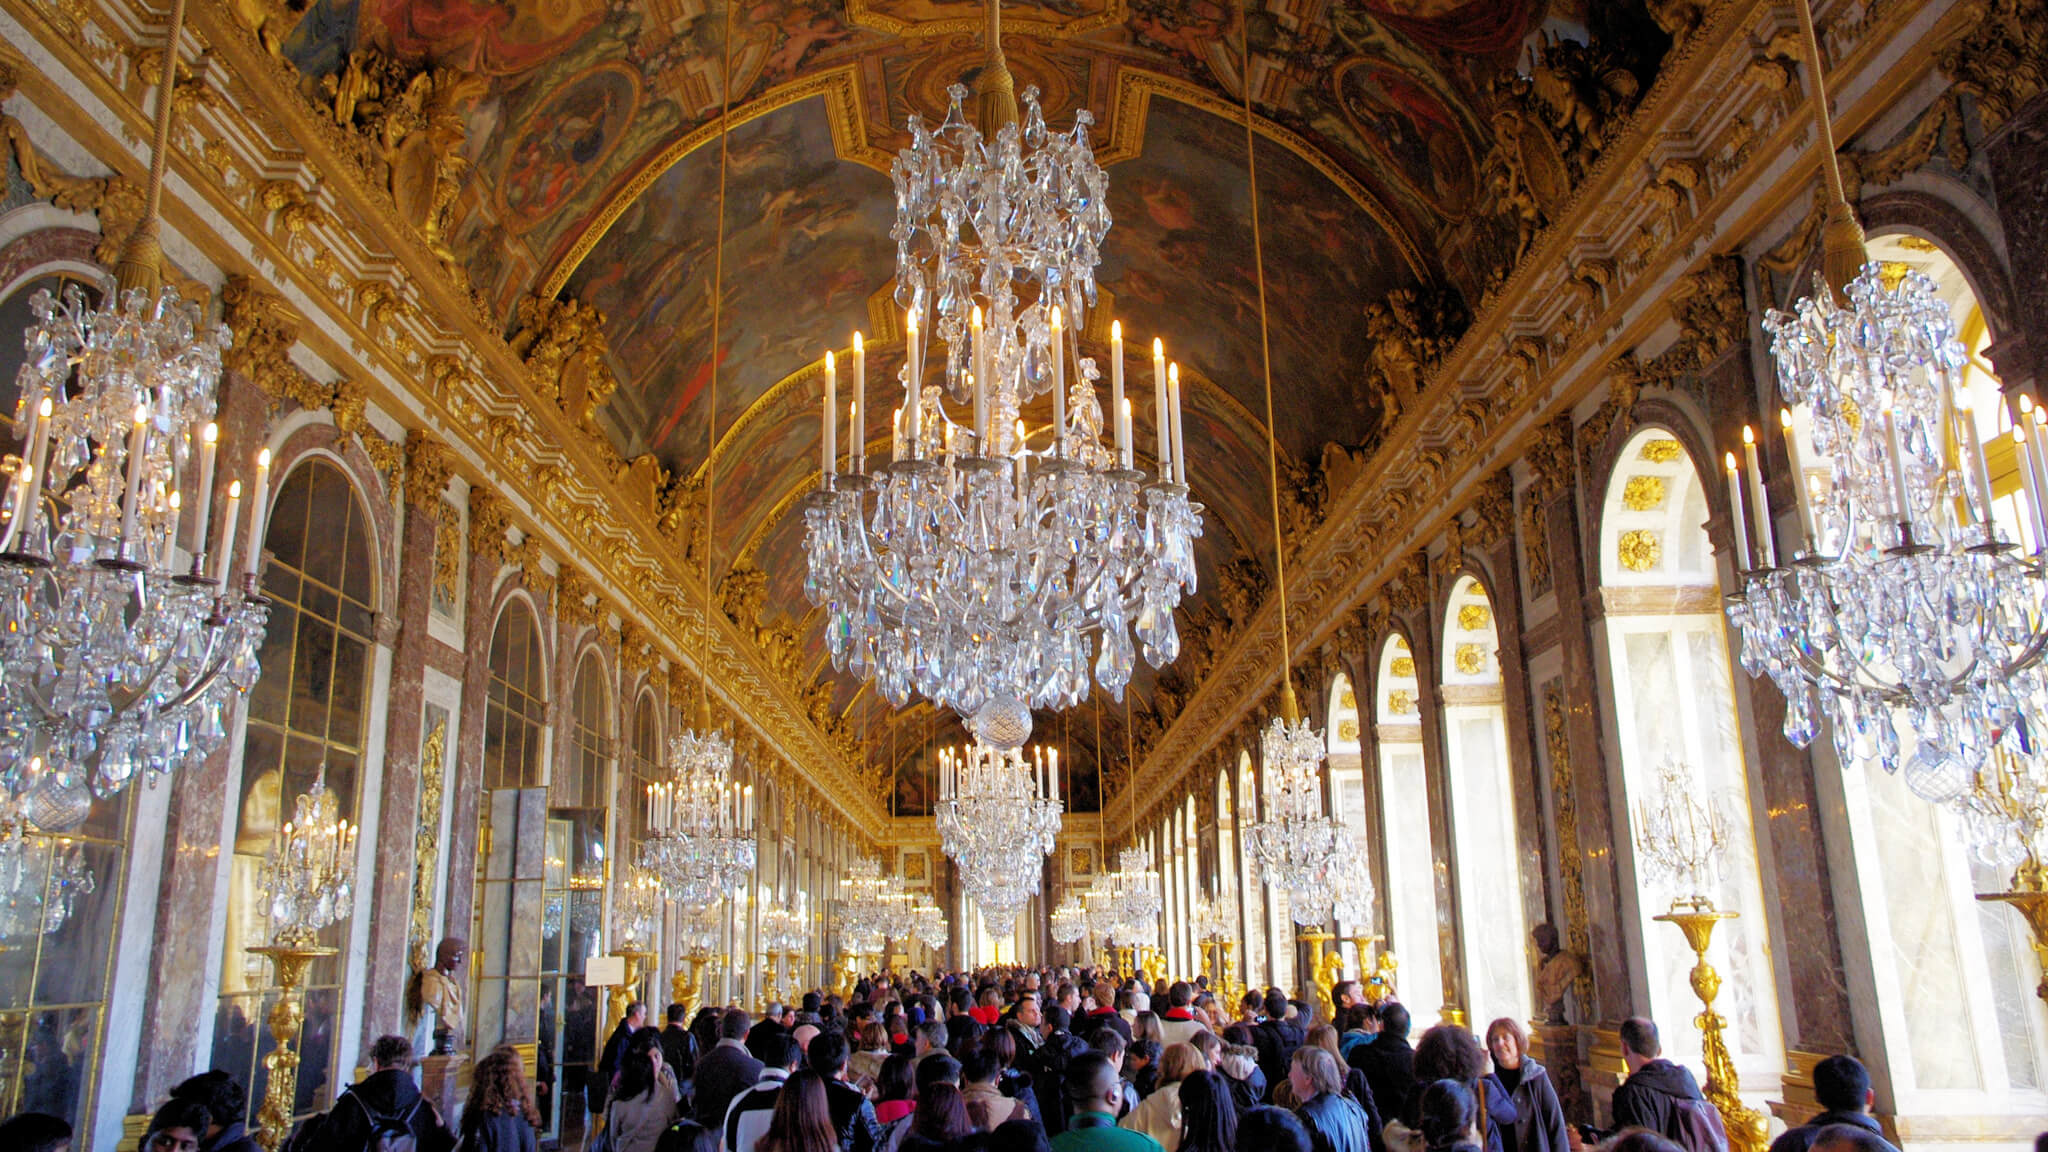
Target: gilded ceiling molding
<point>1024,22</point>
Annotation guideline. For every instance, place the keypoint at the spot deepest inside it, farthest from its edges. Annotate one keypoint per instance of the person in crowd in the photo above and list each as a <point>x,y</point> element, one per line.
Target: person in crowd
<point>1017,1136</point>
<point>1141,1065</point>
<point>500,1116</point>
<point>1011,1081</point>
<point>1276,1037</point>
<point>864,1066</point>
<point>1145,1026</point>
<point>940,1123</point>
<point>1239,1063</point>
<point>599,1090</point>
<point>771,1023</point>
<point>679,1045</point>
<point>1842,1086</point>
<point>1450,1052</point>
<point>178,1126</point>
<point>963,1035</point>
<point>929,1037</point>
<point>724,1072</point>
<point>1208,1114</point>
<point>801,1117</point>
<point>811,1010</point>
<point>1357,1026</point>
<point>1158,1115</point>
<point>1657,1093</point>
<point>36,1132</point>
<point>1095,1096</point>
<point>687,1136</point>
<point>1113,1047</point>
<point>1270,1129</point>
<point>981,1090</point>
<point>1856,1138</point>
<point>1026,1025</point>
<point>1252,1008</point>
<point>853,1117</point>
<point>645,1095</point>
<point>384,1103</point>
<point>226,1107</point>
<point>1388,1062</point>
<point>1447,1115</point>
<point>1540,1125</point>
<point>1178,1025</point>
<point>1104,1015</point>
<point>1066,1001</point>
<point>988,1009</point>
<point>1335,1123</point>
<point>1357,1088</point>
<point>1637,1140</point>
<point>893,1087</point>
<point>748,1116</point>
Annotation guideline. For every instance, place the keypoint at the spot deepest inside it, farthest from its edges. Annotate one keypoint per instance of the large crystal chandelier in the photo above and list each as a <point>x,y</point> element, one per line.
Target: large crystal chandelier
<point>928,925</point>
<point>1351,890</point>
<point>1134,897</point>
<point>975,569</point>
<point>1069,920</point>
<point>1293,841</point>
<point>1681,836</point>
<point>309,880</point>
<point>862,907</point>
<point>636,910</point>
<point>998,815</point>
<point>126,625</point>
<point>1904,616</point>
<point>700,823</point>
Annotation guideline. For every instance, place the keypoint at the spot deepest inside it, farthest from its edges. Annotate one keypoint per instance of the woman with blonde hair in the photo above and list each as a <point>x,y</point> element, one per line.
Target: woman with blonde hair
<point>1539,1124</point>
<point>1158,1115</point>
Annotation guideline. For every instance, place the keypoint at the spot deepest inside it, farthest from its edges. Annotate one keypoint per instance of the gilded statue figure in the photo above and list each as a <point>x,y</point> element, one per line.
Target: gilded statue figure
<point>435,1001</point>
<point>1557,969</point>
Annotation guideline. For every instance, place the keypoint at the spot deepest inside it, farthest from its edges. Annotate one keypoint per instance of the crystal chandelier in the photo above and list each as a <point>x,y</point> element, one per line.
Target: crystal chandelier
<point>1681,836</point>
<point>1134,897</point>
<point>998,816</point>
<point>782,929</point>
<point>1351,888</point>
<point>1293,842</point>
<point>862,907</point>
<point>309,880</point>
<point>700,824</point>
<point>974,569</point>
<point>34,902</point>
<point>636,910</point>
<point>1069,920</point>
<point>928,925</point>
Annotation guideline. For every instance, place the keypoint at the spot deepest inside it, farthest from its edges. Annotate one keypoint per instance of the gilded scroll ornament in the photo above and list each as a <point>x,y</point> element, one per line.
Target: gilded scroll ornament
<point>427,836</point>
<point>447,559</point>
<point>1571,861</point>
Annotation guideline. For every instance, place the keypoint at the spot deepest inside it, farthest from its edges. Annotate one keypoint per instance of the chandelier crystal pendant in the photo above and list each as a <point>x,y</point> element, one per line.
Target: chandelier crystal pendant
<point>974,569</point>
<point>309,880</point>
<point>998,817</point>
<point>700,824</point>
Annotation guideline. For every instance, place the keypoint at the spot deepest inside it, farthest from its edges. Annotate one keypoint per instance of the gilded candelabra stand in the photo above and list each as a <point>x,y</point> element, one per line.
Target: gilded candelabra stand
<point>1320,979</point>
<point>289,959</point>
<point>772,990</point>
<point>623,994</point>
<point>687,985</point>
<point>1126,958</point>
<point>2029,897</point>
<point>1747,1128</point>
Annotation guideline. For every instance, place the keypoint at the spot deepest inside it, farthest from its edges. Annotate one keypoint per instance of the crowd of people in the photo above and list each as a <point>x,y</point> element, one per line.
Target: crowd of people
<point>1023,1061</point>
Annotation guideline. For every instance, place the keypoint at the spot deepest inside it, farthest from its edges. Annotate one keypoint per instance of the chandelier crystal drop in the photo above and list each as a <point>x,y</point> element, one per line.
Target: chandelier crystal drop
<point>700,823</point>
<point>998,817</point>
<point>1905,617</point>
<point>989,576</point>
<point>309,880</point>
<point>1294,842</point>
<point>124,638</point>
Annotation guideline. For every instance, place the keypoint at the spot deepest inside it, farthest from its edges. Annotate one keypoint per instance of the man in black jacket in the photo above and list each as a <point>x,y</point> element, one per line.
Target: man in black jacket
<point>725,1071</point>
<point>1388,1062</point>
<point>1651,1095</point>
<point>385,1101</point>
<point>1842,1086</point>
<point>1335,1122</point>
<point>1276,1037</point>
<point>678,1047</point>
<point>600,1087</point>
<point>853,1116</point>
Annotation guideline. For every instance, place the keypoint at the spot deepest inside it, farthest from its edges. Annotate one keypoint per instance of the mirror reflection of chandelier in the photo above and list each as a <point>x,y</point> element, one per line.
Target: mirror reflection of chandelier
<point>35,902</point>
<point>998,816</point>
<point>1351,889</point>
<point>1133,898</point>
<point>309,880</point>
<point>928,925</point>
<point>700,823</point>
<point>983,570</point>
<point>636,910</point>
<point>1682,834</point>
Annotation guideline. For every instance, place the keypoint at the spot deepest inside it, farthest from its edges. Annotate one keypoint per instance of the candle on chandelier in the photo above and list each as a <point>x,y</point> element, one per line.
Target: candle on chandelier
<point>857,438</point>
<point>138,439</point>
<point>1180,458</point>
<point>255,550</point>
<point>209,441</point>
<point>896,434</point>
<point>1973,450</point>
<point>1124,443</point>
<point>1800,496</point>
<point>2023,454</point>
<point>2037,432</point>
<point>1759,507</point>
<point>1059,386</point>
<point>225,556</point>
<point>176,506</point>
<point>830,446</point>
<point>912,394</point>
<point>1898,471</point>
<point>24,485</point>
<point>1116,391</point>
<point>1735,517</point>
<point>747,798</point>
<point>980,366</point>
<point>1159,405</point>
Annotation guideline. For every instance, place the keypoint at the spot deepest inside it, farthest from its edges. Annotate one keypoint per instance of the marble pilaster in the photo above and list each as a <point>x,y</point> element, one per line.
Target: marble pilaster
<point>1424,642</point>
<point>2017,155</point>
<point>478,618</point>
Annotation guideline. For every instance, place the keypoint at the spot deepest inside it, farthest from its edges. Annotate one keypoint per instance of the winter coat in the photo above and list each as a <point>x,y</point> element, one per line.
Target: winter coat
<point>637,1123</point>
<point>390,1093</point>
<point>1158,1116</point>
<point>1335,1124</point>
<point>1540,1125</point>
<point>1801,1139</point>
<point>1649,1097</point>
<point>1389,1066</point>
<point>503,1132</point>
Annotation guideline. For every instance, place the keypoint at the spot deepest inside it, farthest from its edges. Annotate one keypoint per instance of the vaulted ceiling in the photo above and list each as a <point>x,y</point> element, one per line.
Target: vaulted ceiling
<point>593,156</point>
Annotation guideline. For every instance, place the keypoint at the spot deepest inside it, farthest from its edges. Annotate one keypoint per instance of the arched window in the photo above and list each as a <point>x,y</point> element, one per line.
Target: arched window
<point>1228,894</point>
<point>1190,863</point>
<point>58,926</point>
<point>1962,1028</point>
<point>515,717</point>
<point>1347,779</point>
<point>1411,927</point>
<point>509,951</point>
<point>1674,715</point>
<point>1482,810</point>
<point>307,719</point>
<point>1257,970</point>
<point>573,923</point>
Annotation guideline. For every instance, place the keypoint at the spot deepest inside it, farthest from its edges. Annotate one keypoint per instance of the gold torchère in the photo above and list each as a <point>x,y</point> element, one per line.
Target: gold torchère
<point>289,962</point>
<point>1747,1128</point>
<point>1319,978</point>
<point>1125,958</point>
<point>2029,897</point>
<point>1229,985</point>
<point>687,985</point>
<point>1209,961</point>
<point>623,994</point>
<point>773,991</point>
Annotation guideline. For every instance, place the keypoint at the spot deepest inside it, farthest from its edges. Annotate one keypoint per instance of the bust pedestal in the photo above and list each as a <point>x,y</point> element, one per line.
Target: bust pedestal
<point>444,1081</point>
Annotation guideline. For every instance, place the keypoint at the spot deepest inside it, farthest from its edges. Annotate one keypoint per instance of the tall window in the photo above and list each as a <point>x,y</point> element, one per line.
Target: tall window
<point>1411,927</point>
<point>1347,779</point>
<point>578,801</point>
<point>508,950</point>
<point>1257,971</point>
<point>1483,810</point>
<point>515,718</point>
<point>307,717</point>
<point>1227,869</point>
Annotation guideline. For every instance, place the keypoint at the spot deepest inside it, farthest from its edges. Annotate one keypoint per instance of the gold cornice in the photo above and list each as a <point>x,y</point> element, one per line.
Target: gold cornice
<point>1338,573</point>
<point>861,14</point>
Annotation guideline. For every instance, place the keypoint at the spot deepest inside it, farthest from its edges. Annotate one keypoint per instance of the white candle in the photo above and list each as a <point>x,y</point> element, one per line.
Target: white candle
<point>1116,390</point>
<point>830,447</point>
<point>1800,497</point>
<point>1180,459</point>
<point>1159,405</point>
<point>24,488</point>
<point>209,440</point>
<point>227,535</point>
<point>980,365</point>
<point>176,504</point>
<point>896,434</point>
<point>1973,450</point>
<point>857,441</point>
<point>1124,430</point>
<point>138,441</point>
<point>1735,518</point>
<point>2023,455</point>
<point>1898,469</point>
<point>256,502</point>
<point>1059,386</point>
<point>2037,431</point>
<point>912,394</point>
<point>1759,507</point>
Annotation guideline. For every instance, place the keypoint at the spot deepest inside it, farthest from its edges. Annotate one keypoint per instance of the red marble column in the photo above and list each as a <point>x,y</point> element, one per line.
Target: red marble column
<point>467,794</point>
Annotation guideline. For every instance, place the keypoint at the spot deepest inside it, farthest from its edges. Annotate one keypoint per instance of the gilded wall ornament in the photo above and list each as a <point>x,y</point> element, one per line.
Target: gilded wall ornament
<point>447,589</point>
<point>427,836</point>
<point>1643,493</point>
<point>1640,549</point>
<point>1401,702</point>
<point>1473,617</point>
<point>1661,450</point>
<point>1469,659</point>
<point>1347,730</point>
<point>1402,667</point>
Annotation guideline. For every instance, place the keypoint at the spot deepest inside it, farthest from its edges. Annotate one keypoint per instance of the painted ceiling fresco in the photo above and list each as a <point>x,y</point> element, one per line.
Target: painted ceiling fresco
<point>593,174</point>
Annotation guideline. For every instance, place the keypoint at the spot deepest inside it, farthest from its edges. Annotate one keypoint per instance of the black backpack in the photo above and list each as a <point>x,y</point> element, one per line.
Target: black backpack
<point>392,1133</point>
